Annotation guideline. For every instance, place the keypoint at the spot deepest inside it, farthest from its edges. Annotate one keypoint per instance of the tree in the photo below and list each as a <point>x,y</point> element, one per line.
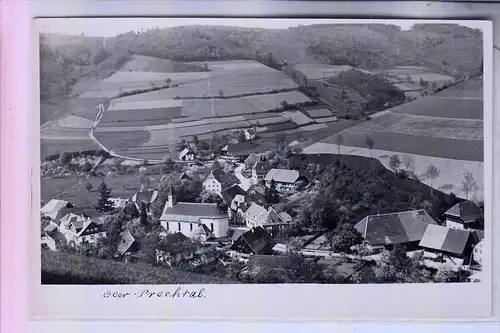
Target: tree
<point>104,205</point>
<point>434,86</point>
<point>468,184</point>
<point>408,162</point>
<point>205,67</point>
<point>131,210</point>
<point>196,141</point>
<point>271,193</point>
<point>344,237</point>
<point>64,158</point>
<point>422,82</point>
<point>221,93</point>
<point>211,197</point>
<point>284,104</point>
<point>164,190</point>
<point>168,164</point>
<point>394,163</point>
<point>369,143</point>
<point>280,141</point>
<point>88,186</point>
<point>168,81</point>
<point>143,217</point>
<point>432,172</point>
<point>340,142</point>
<point>396,267</point>
<point>445,274</point>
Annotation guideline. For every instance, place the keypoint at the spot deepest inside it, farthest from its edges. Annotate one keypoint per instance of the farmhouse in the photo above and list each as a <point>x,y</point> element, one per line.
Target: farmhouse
<point>175,248</point>
<point>187,154</point>
<point>463,215</point>
<point>386,230</point>
<point>215,181</point>
<point>254,241</point>
<point>234,196</point>
<point>53,239</point>
<point>127,244</point>
<point>187,217</point>
<point>249,134</point>
<point>258,216</point>
<point>148,197</point>
<point>78,229</point>
<point>259,171</point>
<point>286,180</point>
<point>251,160</point>
<point>238,151</point>
<point>51,209</point>
<point>478,254</point>
<point>85,211</point>
<point>452,242</point>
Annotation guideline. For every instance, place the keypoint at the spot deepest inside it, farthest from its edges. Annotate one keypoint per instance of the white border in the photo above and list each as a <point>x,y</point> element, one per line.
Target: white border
<point>381,9</point>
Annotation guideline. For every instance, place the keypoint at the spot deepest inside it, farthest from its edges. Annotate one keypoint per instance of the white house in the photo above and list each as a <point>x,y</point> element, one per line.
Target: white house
<point>187,217</point>
<point>463,215</point>
<point>258,216</point>
<point>478,254</point>
<point>286,180</point>
<point>78,229</point>
<point>186,154</point>
<point>249,134</point>
<point>215,181</point>
<point>259,171</point>
<point>234,196</point>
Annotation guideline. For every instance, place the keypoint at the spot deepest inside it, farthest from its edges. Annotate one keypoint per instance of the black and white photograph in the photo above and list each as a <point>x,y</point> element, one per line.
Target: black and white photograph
<point>261,151</point>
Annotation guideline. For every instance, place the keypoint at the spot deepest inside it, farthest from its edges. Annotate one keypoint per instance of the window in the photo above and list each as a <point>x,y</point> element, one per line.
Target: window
<point>167,226</point>
<point>190,227</point>
<point>212,227</point>
<point>91,236</point>
<point>179,225</point>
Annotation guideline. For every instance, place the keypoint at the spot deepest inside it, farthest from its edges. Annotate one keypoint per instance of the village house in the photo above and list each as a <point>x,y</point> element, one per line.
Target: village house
<point>78,229</point>
<point>128,243</point>
<point>259,171</point>
<point>175,248</point>
<point>478,254</point>
<point>148,197</point>
<point>234,196</point>
<point>238,151</point>
<point>386,230</point>
<point>187,217</point>
<point>286,181</point>
<point>51,209</point>
<point>53,239</point>
<point>85,211</point>
<point>249,134</point>
<point>463,215</point>
<point>254,241</point>
<point>215,181</point>
<point>119,203</point>
<point>455,243</point>
<point>258,216</point>
<point>251,160</point>
<point>187,154</point>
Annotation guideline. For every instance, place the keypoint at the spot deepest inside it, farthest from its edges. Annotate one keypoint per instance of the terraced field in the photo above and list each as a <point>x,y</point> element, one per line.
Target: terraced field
<point>445,129</point>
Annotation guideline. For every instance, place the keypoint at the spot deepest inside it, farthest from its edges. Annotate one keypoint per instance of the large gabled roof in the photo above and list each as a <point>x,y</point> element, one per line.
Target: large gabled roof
<point>191,212</point>
<point>231,192</point>
<point>445,239</point>
<point>53,206</point>
<point>257,239</point>
<point>467,211</point>
<point>395,228</point>
<point>126,241</point>
<point>282,175</point>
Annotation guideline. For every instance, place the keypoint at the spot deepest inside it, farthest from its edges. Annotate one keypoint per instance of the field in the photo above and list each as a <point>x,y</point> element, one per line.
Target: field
<point>297,117</point>
<point>320,71</point>
<point>416,73</point>
<point>445,128</point>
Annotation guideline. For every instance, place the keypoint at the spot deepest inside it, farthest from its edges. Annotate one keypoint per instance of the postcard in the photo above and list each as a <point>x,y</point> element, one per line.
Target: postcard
<point>270,169</point>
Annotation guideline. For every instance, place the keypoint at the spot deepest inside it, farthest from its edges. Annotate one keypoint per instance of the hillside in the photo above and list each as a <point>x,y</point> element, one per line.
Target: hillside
<point>452,50</point>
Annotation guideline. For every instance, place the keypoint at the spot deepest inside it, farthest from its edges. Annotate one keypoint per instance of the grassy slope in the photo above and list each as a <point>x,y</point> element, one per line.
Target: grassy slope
<point>63,268</point>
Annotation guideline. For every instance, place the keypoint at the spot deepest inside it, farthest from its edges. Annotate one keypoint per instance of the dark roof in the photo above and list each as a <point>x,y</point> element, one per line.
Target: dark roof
<point>445,239</point>
<point>232,192</point>
<point>86,211</point>
<point>467,211</point>
<point>175,237</point>
<point>176,243</point>
<point>478,235</point>
<point>236,233</point>
<point>145,196</point>
<point>57,236</point>
<point>395,228</point>
<point>126,241</point>
<point>220,175</point>
<point>241,149</point>
<point>191,212</point>
<point>257,239</point>
<point>262,167</point>
<point>251,160</point>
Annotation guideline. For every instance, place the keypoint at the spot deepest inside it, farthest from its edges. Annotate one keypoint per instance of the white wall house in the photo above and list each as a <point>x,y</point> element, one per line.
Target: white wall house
<point>463,215</point>
<point>214,182</point>
<point>286,180</point>
<point>258,216</point>
<point>187,218</point>
<point>186,154</point>
<point>259,171</point>
<point>249,134</point>
<point>234,196</point>
<point>78,229</point>
<point>478,252</point>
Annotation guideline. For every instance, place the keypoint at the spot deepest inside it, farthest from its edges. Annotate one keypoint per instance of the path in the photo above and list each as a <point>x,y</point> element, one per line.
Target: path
<point>245,182</point>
